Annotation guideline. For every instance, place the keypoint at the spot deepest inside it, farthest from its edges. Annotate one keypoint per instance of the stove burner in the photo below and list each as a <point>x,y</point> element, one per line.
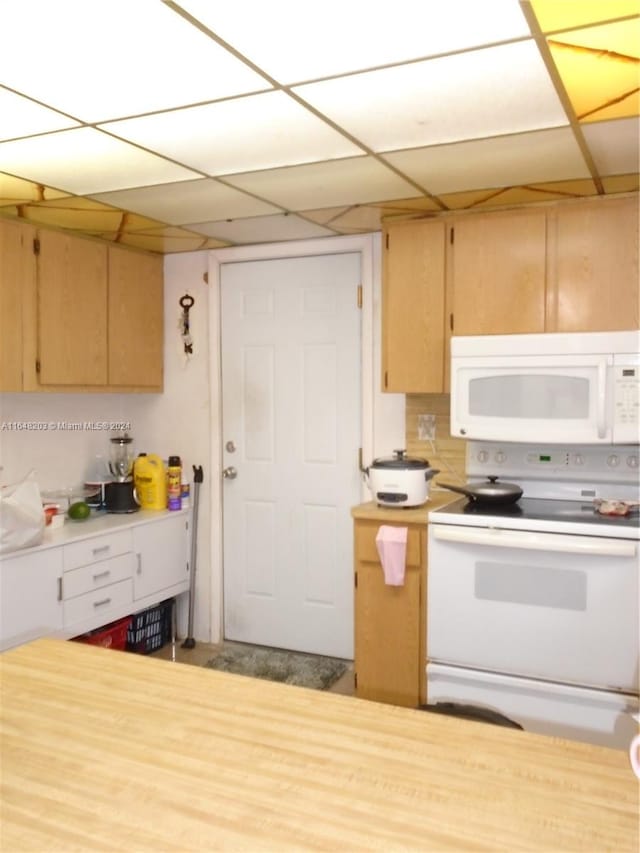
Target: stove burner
<point>508,510</point>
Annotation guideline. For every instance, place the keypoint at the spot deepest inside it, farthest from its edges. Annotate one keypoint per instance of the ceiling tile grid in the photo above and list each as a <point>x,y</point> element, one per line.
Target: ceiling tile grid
<point>178,125</point>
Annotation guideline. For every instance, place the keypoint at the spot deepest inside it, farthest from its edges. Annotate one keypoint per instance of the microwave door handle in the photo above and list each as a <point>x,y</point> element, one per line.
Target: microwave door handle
<point>602,400</point>
<point>551,542</point>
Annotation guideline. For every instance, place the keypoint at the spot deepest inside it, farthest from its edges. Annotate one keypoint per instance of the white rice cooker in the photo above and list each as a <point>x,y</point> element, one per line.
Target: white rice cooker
<point>400,480</point>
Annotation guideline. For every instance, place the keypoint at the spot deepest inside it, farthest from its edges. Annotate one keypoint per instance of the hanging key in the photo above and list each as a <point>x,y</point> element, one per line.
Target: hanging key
<point>186,303</point>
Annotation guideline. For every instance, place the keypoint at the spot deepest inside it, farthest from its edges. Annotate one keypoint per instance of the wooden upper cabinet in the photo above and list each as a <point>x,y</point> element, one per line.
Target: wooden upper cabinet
<point>136,328</point>
<point>413,307</point>
<point>595,266</point>
<point>71,310</point>
<point>17,280</point>
<point>498,273</point>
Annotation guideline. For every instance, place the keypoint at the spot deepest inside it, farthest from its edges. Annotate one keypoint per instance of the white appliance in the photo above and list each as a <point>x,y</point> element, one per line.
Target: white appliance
<point>533,607</point>
<point>578,388</point>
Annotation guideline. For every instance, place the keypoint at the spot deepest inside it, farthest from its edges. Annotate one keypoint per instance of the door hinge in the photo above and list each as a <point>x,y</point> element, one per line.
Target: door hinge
<point>386,242</point>
<point>451,237</point>
<point>36,246</point>
<point>37,365</point>
<point>451,322</point>
<point>386,379</point>
<point>355,679</point>
<point>359,296</point>
<point>355,580</point>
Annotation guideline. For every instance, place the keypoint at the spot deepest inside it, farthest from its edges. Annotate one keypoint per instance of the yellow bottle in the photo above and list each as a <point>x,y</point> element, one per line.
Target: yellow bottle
<point>150,481</point>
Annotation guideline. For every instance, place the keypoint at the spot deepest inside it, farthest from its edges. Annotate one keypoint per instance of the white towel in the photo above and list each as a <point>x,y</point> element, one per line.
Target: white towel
<point>391,543</point>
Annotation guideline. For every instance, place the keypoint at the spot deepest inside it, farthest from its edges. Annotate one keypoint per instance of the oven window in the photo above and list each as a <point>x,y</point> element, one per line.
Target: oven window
<point>530,396</point>
<point>534,585</point>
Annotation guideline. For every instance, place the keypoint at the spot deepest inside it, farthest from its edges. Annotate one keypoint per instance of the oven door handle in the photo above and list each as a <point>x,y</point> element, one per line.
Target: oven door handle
<point>534,541</point>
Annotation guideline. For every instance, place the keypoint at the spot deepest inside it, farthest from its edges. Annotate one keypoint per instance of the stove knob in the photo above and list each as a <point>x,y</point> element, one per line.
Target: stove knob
<point>613,461</point>
<point>578,459</point>
<point>483,456</point>
<point>632,461</point>
<point>500,457</point>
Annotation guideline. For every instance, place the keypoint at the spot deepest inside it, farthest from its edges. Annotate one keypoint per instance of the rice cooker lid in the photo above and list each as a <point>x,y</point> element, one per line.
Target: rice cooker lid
<point>400,461</point>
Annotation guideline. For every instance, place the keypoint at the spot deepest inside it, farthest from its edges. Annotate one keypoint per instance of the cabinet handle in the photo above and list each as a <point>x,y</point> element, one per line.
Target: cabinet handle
<point>101,550</point>
<point>102,603</point>
<point>139,559</point>
<point>59,589</point>
<point>102,575</point>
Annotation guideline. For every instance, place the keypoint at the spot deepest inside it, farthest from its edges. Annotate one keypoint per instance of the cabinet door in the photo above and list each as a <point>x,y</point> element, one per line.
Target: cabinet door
<point>136,333</point>
<point>498,274</point>
<point>17,277</point>
<point>30,596</point>
<point>161,549</point>
<point>413,307</point>
<point>72,310</point>
<point>389,650</point>
<point>596,274</point>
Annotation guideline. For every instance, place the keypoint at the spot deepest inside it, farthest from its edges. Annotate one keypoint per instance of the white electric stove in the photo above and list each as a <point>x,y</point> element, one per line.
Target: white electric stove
<point>533,607</point>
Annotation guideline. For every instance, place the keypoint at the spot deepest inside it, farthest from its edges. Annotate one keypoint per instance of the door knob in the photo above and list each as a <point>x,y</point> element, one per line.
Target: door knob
<point>229,473</point>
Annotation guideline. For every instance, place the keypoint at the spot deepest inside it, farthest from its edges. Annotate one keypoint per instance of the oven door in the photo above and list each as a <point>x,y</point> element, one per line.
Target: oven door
<point>541,399</point>
<point>538,605</point>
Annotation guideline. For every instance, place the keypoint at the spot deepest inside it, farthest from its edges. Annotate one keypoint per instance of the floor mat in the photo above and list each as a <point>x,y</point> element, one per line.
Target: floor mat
<point>303,670</point>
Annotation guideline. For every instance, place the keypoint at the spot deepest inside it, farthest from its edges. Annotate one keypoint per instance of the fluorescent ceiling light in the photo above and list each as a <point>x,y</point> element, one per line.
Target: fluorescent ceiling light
<point>86,161</point>
<point>115,59</point>
<point>254,132</point>
<point>21,117</point>
<point>487,92</point>
<point>293,41</point>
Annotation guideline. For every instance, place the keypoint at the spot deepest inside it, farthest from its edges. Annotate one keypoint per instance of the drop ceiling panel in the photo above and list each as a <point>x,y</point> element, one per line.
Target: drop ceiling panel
<point>526,158</point>
<point>353,181</point>
<point>260,132</point>
<point>85,161</point>
<point>599,67</point>
<point>294,42</point>
<point>188,201</point>
<point>555,15</point>
<point>22,117</point>
<point>615,145</point>
<point>486,92</point>
<point>18,191</point>
<point>104,61</point>
<point>263,229</point>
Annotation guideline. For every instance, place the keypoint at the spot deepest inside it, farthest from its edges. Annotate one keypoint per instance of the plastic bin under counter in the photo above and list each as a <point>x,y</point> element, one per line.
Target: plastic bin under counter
<point>371,511</point>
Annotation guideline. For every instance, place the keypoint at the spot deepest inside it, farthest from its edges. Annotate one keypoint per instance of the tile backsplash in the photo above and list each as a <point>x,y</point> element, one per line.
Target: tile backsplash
<point>444,452</point>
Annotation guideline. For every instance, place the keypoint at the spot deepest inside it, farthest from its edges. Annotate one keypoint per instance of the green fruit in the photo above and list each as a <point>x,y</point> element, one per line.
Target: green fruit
<point>79,511</point>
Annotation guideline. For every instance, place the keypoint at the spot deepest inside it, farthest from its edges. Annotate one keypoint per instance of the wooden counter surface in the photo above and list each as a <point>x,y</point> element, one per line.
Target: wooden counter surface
<point>403,515</point>
<point>104,750</point>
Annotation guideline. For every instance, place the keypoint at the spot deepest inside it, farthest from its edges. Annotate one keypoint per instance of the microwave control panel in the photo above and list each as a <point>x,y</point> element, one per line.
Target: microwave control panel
<point>626,395</point>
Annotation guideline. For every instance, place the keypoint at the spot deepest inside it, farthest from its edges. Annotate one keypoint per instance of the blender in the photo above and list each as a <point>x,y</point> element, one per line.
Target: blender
<point>120,495</point>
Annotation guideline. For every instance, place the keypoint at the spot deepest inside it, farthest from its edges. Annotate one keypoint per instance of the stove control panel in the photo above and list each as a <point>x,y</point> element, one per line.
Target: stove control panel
<point>557,463</point>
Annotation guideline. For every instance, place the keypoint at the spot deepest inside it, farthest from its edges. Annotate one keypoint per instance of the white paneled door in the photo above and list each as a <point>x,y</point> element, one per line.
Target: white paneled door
<point>291,431</point>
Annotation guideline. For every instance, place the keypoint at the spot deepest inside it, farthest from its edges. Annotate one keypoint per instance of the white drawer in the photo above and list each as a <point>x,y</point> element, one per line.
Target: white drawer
<point>97,548</point>
<point>97,575</point>
<point>97,604</point>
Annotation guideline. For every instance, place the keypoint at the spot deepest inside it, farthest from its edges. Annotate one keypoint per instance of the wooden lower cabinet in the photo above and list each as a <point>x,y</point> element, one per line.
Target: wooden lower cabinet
<point>390,627</point>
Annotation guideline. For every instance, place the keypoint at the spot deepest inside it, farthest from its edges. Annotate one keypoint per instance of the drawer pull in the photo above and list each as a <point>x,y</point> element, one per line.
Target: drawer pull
<point>139,558</point>
<point>101,550</point>
<point>102,603</point>
<point>59,589</point>
<point>102,575</point>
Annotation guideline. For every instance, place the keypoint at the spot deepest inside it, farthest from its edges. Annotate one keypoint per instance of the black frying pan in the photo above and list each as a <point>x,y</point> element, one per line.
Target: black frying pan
<point>489,492</point>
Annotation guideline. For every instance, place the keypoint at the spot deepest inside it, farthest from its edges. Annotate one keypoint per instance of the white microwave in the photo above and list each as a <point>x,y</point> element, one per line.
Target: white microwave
<point>556,388</point>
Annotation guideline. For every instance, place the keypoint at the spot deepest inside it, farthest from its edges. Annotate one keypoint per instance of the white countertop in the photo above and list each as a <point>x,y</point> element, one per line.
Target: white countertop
<point>98,522</point>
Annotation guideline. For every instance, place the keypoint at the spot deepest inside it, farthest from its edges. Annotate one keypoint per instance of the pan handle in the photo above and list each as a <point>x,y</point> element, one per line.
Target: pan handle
<point>458,489</point>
